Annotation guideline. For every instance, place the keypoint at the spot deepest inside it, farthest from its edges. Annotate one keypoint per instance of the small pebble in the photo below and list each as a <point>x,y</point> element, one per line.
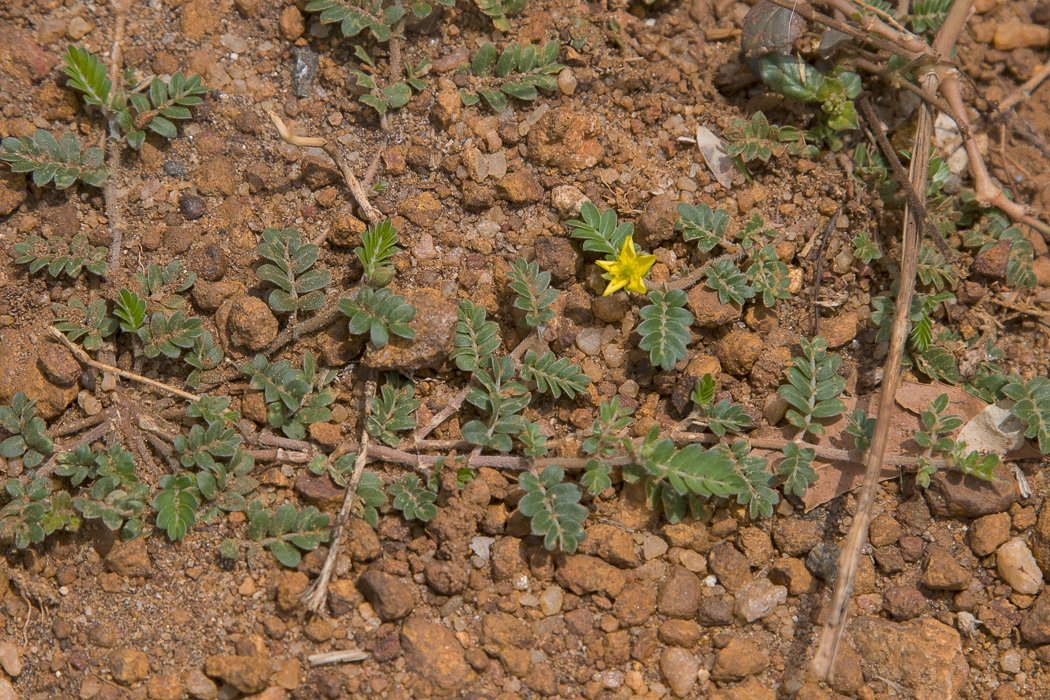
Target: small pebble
<point>108,383</point>
<point>629,388</point>
<point>759,599</point>
<point>653,547</point>
<point>88,403</point>
<point>567,81</point>
<point>589,341</point>
<point>304,70</point>
<point>694,561</point>
<point>482,547</point>
<point>551,600</point>
<point>87,380</point>
<point>1010,661</point>
<point>10,659</point>
<point>174,168</point>
<point>823,561</point>
<point>78,28</point>
<point>234,43</point>
<point>614,355</point>
<point>191,206</point>
<point>1018,567</point>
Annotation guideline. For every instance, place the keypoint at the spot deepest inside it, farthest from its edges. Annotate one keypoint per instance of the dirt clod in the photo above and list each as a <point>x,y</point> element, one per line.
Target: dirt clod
<point>739,658</point>
<point>433,652</point>
<point>250,322</point>
<point>129,666</point>
<point>893,646</point>
<point>943,573</point>
<point>391,597</point>
<point>248,674</point>
<point>435,325</point>
<point>129,558</point>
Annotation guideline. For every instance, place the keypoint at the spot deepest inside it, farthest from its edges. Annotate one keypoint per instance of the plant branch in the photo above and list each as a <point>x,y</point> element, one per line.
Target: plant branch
<point>316,595</point>
<point>97,433</point>
<point>86,359</point>
<point>420,455</point>
<point>1021,94</point>
<point>310,325</point>
<point>908,49</point>
<point>871,24</point>
<point>985,189</point>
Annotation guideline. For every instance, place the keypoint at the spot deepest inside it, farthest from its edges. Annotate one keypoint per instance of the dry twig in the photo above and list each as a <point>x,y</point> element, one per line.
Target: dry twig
<point>336,657</point>
<point>835,624</point>
<point>316,595</point>
<point>109,191</point>
<point>86,359</point>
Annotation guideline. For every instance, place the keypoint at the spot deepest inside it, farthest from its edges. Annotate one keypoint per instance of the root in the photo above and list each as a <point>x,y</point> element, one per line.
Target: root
<point>357,191</point>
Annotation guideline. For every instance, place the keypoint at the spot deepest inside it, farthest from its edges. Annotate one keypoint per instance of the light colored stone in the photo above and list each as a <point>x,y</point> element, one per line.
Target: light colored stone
<point>679,668</point>
<point>759,599</point>
<point>653,547</point>
<point>1018,567</point>
<point>10,659</point>
<point>567,200</point>
<point>1017,35</point>
<point>551,600</point>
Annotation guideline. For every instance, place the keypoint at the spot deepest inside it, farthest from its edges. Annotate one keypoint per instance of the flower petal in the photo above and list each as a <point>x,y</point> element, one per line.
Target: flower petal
<point>615,285</point>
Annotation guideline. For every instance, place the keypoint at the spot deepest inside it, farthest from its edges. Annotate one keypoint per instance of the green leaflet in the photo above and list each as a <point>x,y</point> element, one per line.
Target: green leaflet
<point>520,72</point>
<point>665,328</point>
<point>49,159</point>
<point>298,287</point>
<point>533,290</point>
<point>813,386</point>
<point>553,508</point>
<point>380,313</point>
<point>287,531</point>
<point>476,337</point>
<point>553,375</point>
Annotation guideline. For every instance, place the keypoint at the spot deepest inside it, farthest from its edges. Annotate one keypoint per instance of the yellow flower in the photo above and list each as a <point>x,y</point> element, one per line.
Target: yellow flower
<point>628,270</point>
